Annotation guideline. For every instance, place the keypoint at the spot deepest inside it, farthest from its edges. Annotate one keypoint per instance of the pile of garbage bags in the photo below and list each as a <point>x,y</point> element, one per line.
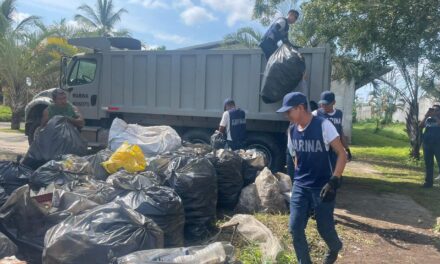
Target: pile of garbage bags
<point>58,137</point>
<point>284,71</point>
<point>12,176</point>
<point>142,200</point>
<point>7,247</point>
<point>99,235</point>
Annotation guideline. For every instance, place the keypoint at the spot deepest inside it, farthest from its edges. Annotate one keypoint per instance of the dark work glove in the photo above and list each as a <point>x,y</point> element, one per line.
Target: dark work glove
<point>328,192</point>
<point>349,156</point>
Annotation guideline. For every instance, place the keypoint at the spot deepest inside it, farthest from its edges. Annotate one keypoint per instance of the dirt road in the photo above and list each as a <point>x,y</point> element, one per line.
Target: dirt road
<point>11,143</point>
<point>390,228</point>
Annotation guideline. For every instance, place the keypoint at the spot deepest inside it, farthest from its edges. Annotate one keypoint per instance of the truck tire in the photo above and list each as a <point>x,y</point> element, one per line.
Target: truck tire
<point>197,136</point>
<point>271,147</point>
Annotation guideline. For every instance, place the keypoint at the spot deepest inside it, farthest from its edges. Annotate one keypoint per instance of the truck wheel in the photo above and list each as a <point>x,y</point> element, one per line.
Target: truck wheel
<point>267,144</point>
<point>33,131</point>
<point>197,136</point>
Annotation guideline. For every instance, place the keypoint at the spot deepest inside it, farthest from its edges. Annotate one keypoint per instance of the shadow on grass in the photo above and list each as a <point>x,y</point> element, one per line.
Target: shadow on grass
<point>364,199</point>
<point>392,163</point>
<point>390,235</point>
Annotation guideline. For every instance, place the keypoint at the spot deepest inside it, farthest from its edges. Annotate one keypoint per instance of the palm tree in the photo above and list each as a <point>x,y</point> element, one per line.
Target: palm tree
<point>267,10</point>
<point>14,69</point>
<point>245,36</point>
<point>7,23</point>
<point>103,19</point>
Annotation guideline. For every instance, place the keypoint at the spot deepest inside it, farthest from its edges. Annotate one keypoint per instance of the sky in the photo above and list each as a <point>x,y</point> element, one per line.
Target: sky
<point>173,23</point>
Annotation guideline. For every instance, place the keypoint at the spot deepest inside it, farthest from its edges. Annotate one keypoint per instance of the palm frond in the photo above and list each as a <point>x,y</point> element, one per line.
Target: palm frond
<point>115,17</point>
<point>29,21</point>
<point>89,13</point>
<point>84,20</point>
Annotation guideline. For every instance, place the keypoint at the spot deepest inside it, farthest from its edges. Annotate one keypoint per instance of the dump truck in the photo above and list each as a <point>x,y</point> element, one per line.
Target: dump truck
<point>182,88</point>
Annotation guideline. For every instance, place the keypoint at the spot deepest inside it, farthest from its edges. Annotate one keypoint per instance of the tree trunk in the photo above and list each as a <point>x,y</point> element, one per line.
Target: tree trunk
<point>15,120</point>
<point>413,130</point>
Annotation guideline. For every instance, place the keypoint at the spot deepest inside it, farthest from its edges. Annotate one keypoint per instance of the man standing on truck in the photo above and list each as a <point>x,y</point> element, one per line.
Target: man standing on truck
<point>328,111</point>
<point>315,183</point>
<point>279,30</point>
<point>61,107</point>
<point>233,125</point>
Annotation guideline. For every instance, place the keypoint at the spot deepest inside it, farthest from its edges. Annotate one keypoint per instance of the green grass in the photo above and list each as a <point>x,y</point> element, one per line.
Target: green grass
<point>388,152</point>
<point>389,145</point>
<point>8,130</point>
<point>5,113</point>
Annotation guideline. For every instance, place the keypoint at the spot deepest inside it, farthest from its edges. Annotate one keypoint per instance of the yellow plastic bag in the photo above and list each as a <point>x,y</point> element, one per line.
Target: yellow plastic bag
<point>129,157</point>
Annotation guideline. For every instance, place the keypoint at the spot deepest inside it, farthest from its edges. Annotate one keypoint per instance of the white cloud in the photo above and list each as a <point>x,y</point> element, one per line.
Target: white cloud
<point>151,4</point>
<point>196,14</point>
<point>236,10</point>
<point>171,38</point>
<point>18,16</point>
<point>73,24</point>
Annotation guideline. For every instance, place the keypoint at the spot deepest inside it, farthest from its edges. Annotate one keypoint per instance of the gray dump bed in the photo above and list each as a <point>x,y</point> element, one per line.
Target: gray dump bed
<point>195,82</point>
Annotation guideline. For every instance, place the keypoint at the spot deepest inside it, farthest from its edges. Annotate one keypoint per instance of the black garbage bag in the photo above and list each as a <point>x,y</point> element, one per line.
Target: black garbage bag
<point>159,165</point>
<point>66,169</point>
<point>133,181</point>
<point>3,196</point>
<point>213,253</point>
<point>13,175</point>
<point>99,192</point>
<point>194,150</point>
<point>228,166</point>
<point>284,71</point>
<point>195,181</point>
<point>218,140</point>
<point>164,206</point>
<point>99,235</point>
<point>254,162</point>
<point>27,219</point>
<point>58,137</point>
<point>7,247</point>
<point>96,170</point>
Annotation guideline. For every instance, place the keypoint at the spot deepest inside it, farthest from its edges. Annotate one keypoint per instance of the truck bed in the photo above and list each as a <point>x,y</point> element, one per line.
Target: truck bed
<point>194,83</point>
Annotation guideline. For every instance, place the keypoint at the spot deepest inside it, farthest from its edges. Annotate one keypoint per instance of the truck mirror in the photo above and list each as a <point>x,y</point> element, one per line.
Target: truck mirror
<point>63,72</point>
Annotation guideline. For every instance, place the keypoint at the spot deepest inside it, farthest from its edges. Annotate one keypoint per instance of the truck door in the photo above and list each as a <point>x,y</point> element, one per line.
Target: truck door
<point>83,84</point>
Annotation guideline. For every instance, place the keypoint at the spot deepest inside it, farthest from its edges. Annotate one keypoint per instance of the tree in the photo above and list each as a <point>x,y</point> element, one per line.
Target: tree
<point>266,11</point>
<point>402,34</point>
<point>103,19</point>
<point>384,101</point>
<point>246,36</point>
<point>7,23</point>
<point>14,69</point>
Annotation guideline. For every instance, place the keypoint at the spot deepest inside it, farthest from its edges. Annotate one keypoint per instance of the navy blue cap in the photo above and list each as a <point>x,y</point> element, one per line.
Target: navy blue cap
<point>327,97</point>
<point>292,100</point>
<point>228,101</point>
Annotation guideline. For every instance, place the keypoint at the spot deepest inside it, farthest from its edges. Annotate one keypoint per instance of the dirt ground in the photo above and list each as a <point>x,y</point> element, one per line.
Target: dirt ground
<point>11,144</point>
<point>390,228</point>
<point>387,228</point>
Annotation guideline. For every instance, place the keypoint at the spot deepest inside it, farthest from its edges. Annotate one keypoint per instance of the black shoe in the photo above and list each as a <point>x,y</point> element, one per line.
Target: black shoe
<point>331,257</point>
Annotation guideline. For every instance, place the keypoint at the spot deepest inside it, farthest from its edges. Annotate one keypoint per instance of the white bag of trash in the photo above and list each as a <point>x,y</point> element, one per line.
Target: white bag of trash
<point>255,231</point>
<point>153,140</point>
<point>284,181</point>
<point>265,195</point>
